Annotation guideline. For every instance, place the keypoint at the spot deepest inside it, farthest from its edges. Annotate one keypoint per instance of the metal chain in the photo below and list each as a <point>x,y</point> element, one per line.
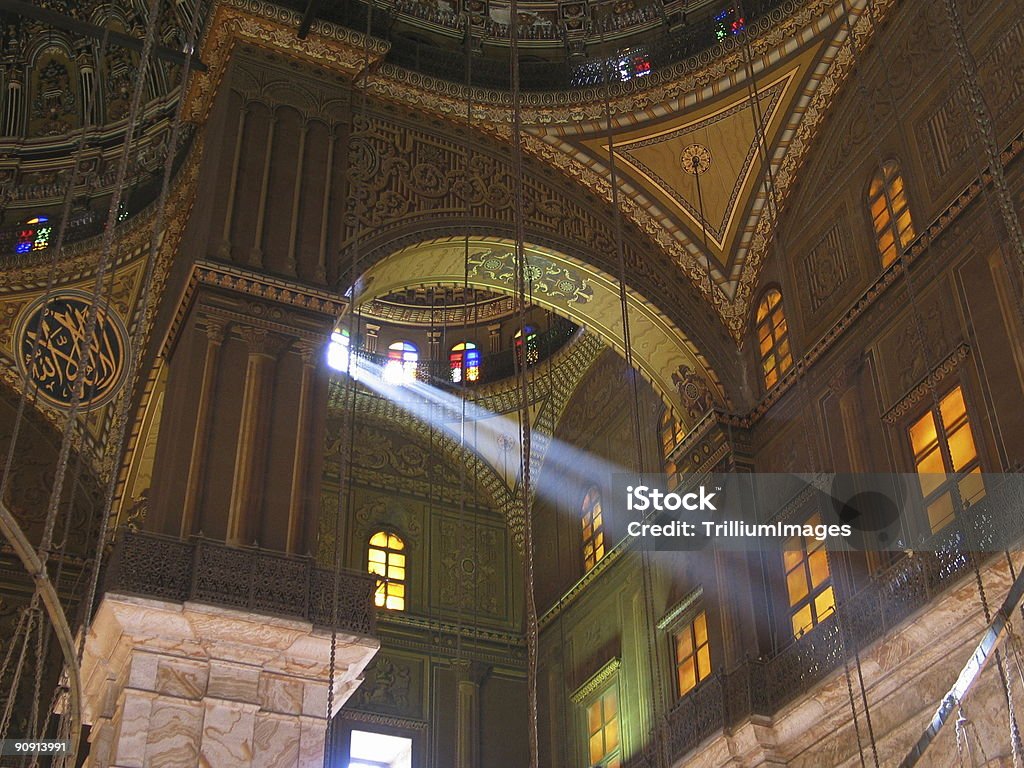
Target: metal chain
<point>986,129</point>
<point>532,628</point>
<point>106,258</point>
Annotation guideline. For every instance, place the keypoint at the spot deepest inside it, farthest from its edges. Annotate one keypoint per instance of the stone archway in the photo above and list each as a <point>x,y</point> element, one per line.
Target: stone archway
<point>565,285</point>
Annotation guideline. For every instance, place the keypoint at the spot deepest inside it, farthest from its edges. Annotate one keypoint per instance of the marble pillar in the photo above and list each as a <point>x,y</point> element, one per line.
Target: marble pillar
<point>169,684</point>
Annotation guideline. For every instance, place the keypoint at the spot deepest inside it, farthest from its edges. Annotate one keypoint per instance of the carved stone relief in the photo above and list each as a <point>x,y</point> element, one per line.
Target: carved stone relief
<point>825,271</point>
<point>472,573</point>
<point>393,686</point>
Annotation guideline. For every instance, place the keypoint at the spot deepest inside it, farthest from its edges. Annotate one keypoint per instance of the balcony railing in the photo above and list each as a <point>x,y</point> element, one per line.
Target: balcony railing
<point>765,686</point>
<point>246,578</point>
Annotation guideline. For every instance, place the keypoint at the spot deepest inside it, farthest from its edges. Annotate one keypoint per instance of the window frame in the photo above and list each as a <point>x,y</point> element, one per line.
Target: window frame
<point>458,358</point>
<point>783,360</point>
<point>813,591</point>
<point>598,535</point>
<point>687,623</point>
<point>953,476</point>
<point>525,338</point>
<point>901,239</point>
<point>384,578</point>
<point>615,756</point>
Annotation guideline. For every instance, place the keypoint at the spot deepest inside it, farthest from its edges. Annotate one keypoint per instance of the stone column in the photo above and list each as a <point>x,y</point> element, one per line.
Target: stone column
<point>215,332</point>
<point>185,684</point>
<point>256,255</point>
<point>300,466</point>
<point>468,676</point>
<point>264,348</point>
<point>224,250</point>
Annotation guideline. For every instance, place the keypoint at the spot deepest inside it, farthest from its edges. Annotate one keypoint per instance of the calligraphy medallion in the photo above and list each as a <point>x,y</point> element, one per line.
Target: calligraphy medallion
<point>51,341</point>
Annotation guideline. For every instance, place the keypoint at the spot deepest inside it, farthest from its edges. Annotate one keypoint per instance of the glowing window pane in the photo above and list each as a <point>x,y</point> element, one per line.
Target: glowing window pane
<point>402,364</point>
<point>603,729</point>
<point>692,654</point>
<point>532,351</point>
<point>946,459</point>
<point>34,235</point>
<point>386,558</point>
<point>808,580</point>
<point>890,212</point>
<point>592,523</point>
<point>773,338</point>
<point>464,362</point>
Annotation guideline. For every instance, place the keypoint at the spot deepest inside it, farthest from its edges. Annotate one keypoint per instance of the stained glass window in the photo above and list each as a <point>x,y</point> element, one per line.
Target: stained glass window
<point>728,22</point>
<point>464,360</point>
<point>532,352</point>
<point>773,338</point>
<point>386,559</point>
<point>403,358</point>
<point>593,529</point>
<point>338,350</point>
<point>34,235</point>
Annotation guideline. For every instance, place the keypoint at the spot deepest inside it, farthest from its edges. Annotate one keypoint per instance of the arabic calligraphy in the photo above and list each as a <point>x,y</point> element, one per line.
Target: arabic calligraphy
<point>59,358</point>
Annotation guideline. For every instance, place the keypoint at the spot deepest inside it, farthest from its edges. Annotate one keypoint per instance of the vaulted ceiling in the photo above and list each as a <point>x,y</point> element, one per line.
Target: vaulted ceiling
<point>747,110</point>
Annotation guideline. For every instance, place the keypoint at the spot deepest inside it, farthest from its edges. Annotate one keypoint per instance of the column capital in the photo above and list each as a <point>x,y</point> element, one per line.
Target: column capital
<point>469,671</point>
<point>216,328</point>
<point>309,350</point>
<point>263,343</point>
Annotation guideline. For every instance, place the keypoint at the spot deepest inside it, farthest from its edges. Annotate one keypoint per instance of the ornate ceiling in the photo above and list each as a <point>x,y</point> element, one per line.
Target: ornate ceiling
<point>733,106</point>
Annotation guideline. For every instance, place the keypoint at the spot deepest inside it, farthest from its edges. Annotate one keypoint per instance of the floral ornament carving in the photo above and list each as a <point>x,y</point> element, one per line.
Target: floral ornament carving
<point>694,394</point>
<point>388,689</point>
<point>376,515</point>
<point>545,277</point>
<point>468,578</point>
<point>55,99</point>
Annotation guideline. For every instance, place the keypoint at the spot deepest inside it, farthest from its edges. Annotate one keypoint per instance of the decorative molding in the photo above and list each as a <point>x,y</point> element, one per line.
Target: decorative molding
<point>253,284</point>
<point>598,680</point>
<point>676,613</point>
<point>913,398</point>
<point>372,718</point>
<point>269,26</point>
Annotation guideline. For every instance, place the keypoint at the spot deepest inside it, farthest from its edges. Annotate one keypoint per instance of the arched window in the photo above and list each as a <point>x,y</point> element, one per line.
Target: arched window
<point>386,559</point>
<point>593,529</point>
<point>401,365</point>
<point>34,235</point>
<point>890,213</point>
<point>773,338</point>
<point>671,435</point>
<point>464,360</point>
<point>532,353</point>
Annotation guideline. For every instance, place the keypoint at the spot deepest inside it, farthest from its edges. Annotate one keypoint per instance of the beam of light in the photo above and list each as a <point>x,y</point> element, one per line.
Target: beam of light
<point>485,432</point>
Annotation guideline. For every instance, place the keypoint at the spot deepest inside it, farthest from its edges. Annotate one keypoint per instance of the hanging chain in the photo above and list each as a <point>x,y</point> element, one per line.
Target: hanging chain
<point>347,448</point>
<point>986,130</point>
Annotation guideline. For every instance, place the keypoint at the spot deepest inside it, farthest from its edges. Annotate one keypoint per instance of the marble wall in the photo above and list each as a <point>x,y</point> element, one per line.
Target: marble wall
<point>171,685</point>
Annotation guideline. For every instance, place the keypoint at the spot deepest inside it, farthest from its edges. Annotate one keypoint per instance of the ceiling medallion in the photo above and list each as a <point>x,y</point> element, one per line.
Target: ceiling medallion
<point>695,159</point>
